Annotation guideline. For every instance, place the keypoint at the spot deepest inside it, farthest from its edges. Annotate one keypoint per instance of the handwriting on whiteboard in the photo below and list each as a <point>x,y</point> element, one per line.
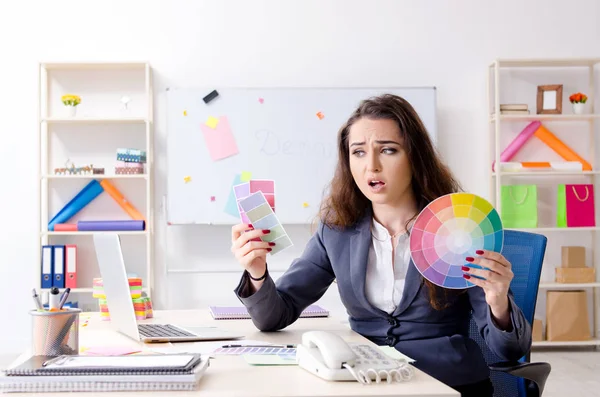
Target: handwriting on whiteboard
<point>271,145</point>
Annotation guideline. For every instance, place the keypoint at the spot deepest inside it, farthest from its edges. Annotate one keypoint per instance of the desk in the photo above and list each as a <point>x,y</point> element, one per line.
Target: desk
<point>231,376</point>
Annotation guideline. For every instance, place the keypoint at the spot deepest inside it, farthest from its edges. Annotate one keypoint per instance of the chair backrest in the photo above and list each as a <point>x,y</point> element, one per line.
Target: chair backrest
<point>525,251</point>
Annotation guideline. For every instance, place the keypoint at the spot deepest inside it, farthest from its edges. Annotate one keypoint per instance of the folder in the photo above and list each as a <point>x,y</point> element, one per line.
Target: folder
<point>58,272</point>
<point>71,265</point>
<point>47,258</point>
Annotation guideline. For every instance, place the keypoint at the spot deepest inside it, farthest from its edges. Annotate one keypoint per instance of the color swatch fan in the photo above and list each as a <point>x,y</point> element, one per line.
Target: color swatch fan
<point>447,231</point>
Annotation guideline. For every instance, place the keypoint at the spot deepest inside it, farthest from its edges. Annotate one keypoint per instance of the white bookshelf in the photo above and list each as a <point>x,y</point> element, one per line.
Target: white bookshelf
<point>515,81</point>
<point>101,125</point>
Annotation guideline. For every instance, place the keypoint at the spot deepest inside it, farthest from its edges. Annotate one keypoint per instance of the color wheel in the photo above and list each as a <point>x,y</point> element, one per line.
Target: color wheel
<point>447,231</point>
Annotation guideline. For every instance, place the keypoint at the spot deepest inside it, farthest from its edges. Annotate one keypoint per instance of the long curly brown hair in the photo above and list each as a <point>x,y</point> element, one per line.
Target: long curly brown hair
<point>345,204</point>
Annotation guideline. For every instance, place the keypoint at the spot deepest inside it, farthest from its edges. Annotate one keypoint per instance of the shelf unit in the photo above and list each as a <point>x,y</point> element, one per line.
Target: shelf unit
<point>102,124</point>
<point>515,70</point>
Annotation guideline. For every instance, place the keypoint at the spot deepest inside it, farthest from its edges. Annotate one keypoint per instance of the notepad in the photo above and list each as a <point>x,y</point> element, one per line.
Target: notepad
<point>241,313</point>
<point>108,365</point>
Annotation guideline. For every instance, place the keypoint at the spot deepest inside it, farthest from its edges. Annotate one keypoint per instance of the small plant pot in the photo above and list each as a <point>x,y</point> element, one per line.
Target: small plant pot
<point>578,108</point>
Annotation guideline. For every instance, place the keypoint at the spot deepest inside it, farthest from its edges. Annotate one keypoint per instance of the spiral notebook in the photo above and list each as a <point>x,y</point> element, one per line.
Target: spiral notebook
<point>241,313</point>
<point>168,364</point>
<point>131,379</point>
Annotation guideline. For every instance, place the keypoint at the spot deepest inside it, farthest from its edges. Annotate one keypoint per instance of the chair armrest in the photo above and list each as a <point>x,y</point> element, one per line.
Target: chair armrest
<point>535,372</point>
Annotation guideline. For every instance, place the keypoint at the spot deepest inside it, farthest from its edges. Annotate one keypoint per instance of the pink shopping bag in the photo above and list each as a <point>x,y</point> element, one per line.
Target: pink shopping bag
<point>580,205</point>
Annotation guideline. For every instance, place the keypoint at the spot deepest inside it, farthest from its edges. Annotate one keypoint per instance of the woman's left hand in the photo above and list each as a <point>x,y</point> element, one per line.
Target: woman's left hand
<point>497,272</point>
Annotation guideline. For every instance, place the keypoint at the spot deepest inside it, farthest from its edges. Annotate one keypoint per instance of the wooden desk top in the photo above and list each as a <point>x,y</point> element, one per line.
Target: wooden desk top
<point>232,376</point>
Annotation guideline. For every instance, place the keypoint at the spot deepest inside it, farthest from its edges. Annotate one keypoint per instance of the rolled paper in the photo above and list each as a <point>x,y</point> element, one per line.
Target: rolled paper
<point>111,225</point>
<point>516,144</point>
<point>560,148</point>
<point>83,198</point>
<point>120,199</point>
<point>65,227</point>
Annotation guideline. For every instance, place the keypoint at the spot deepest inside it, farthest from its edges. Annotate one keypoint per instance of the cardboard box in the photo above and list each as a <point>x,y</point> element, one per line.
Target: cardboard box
<point>537,329</point>
<point>573,256</point>
<point>567,316</point>
<point>575,275</point>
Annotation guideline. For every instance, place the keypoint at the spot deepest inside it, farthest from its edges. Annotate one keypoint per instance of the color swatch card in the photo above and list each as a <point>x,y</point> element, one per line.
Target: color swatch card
<point>447,231</point>
<point>245,189</point>
<point>261,216</point>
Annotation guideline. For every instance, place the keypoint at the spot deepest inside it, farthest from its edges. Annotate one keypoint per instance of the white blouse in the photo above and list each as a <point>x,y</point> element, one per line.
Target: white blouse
<point>385,277</point>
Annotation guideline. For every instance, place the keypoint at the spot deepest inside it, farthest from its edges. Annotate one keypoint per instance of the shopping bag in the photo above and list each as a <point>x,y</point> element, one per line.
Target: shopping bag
<point>561,206</point>
<point>519,206</point>
<point>580,205</point>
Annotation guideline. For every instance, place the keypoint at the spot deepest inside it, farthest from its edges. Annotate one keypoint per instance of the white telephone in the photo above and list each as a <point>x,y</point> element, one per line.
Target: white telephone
<point>328,356</point>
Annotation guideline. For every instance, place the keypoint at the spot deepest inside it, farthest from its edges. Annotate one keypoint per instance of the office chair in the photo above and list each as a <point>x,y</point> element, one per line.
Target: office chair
<point>525,251</point>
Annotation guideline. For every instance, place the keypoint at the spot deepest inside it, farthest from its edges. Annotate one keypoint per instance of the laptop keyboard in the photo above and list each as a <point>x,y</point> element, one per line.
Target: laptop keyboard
<point>161,330</point>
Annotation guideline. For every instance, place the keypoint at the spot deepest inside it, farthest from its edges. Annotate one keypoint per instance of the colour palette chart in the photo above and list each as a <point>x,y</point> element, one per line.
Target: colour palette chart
<point>258,211</point>
<point>283,351</point>
<point>245,189</point>
<point>447,231</point>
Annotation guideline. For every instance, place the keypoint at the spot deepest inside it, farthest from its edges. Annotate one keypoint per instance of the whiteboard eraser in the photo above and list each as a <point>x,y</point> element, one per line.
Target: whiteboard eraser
<point>210,96</point>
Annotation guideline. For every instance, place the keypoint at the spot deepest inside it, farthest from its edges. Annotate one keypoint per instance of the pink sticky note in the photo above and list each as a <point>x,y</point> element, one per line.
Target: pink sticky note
<point>261,100</point>
<point>220,141</point>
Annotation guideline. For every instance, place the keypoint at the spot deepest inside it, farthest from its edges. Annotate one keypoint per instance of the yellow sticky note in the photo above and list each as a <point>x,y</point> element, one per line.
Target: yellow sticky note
<point>185,112</point>
<point>212,122</point>
<point>305,204</point>
<point>187,179</point>
<point>246,176</point>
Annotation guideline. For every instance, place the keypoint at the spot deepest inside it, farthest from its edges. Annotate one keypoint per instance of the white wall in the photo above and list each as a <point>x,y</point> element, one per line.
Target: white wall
<point>448,44</point>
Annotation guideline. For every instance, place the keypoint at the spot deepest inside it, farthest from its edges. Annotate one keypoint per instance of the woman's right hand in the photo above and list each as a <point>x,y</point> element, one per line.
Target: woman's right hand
<point>252,255</point>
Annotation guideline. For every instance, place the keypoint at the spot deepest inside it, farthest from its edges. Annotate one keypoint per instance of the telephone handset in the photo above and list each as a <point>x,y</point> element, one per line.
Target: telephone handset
<point>328,356</point>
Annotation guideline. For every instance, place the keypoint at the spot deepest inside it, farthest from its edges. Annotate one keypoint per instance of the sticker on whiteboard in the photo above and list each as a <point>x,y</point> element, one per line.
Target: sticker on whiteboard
<point>261,100</point>
<point>185,112</point>
<point>212,198</point>
<point>320,115</point>
<point>305,204</point>
<point>187,179</point>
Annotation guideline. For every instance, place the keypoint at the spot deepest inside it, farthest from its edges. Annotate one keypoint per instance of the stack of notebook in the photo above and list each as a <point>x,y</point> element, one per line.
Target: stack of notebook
<point>105,373</point>
<point>240,312</point>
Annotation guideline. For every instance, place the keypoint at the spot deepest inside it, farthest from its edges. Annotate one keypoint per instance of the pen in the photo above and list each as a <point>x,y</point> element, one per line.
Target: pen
<point>54,299</point>
<point>36,300</point>
<point>276,346</point>
<point>63,298</point>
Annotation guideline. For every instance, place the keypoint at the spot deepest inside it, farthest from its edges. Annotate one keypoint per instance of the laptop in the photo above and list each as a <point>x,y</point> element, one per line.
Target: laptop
<point>120,305</point>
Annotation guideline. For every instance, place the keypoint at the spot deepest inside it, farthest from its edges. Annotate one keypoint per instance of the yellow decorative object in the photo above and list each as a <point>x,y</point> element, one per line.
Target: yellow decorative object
<point>305,204</point>
<point>71,100</point>
<point>185,112</point>
<point>187,179</point>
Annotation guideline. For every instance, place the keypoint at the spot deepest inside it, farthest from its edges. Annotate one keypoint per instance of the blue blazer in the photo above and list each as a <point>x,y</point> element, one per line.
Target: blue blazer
<point>437,340</point>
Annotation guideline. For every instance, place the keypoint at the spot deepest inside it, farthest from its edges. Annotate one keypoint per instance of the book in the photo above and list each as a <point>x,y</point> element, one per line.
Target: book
<point>66,365</point>
<point>241,313</point>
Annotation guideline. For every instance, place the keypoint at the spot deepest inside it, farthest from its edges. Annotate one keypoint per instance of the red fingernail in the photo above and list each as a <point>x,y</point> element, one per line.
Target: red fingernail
<point>469,259</point>
<point>266,231</point>
<point>271,244</point>
<point>479,252</point>
<point>466,276</point>
<point>269,249</point>
<point>465,269</point>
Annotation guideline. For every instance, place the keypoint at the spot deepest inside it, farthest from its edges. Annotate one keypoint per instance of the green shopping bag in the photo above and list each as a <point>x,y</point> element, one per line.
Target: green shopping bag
<point>561,206</point>
<point>519,206</point>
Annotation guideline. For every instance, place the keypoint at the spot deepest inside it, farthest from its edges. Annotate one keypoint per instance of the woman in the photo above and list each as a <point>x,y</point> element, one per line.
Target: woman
<point>387,172</point>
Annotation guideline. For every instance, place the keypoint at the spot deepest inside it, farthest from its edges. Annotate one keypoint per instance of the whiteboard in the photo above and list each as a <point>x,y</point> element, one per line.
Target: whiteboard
<point>288,135</point>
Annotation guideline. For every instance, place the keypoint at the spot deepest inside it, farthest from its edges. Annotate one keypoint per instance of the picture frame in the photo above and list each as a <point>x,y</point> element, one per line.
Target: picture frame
<point>549,99</point>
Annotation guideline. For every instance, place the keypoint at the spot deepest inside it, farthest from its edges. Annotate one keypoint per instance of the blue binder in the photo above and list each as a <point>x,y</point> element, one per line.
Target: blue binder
<point>58,266</point>
<point>47,266</point>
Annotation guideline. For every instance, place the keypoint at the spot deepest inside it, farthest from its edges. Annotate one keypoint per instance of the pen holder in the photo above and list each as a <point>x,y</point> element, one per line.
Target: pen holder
<point>55,333</point>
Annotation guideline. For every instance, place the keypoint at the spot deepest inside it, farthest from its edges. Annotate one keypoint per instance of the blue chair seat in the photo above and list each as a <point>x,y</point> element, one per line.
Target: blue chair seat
<point>525,251</point>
